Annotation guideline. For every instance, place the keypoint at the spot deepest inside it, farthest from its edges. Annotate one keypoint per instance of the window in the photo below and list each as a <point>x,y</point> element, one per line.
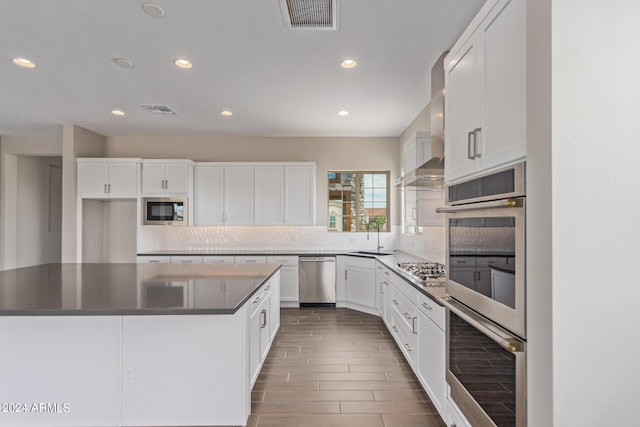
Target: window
<point>357,199</point>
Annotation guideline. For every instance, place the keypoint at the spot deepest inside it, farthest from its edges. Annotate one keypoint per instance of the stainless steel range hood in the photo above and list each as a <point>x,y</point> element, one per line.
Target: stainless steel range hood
<point>430,175</point>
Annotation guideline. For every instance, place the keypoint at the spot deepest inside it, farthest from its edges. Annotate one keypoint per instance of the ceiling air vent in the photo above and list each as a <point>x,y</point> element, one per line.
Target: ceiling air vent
<point>310,14</point>
<point>158,109</point>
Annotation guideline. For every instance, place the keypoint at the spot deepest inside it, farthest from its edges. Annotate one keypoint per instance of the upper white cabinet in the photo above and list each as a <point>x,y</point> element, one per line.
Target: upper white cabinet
<point>269,186</point>
<point>238,195</point>
<point>485,108</point>
<point>108,178</point>
<point>166,176</point>
<point>208,195</point>
<point>300,195</point>
<point>254,194</point>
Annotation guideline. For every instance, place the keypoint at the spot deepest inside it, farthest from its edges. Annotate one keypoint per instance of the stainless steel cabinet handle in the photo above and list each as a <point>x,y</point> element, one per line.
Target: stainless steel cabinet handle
<point>470,154</point>
<point>408,347</point>
<point>413,325</point>
<point>407,315</point>
<point>267,288</point>
<point>395,301</point>
<point>476,154</point>
<point>256,300</point>
<point>346,275</point>
<point>263,313</point>
<point>250,260</point>
<point>162,184</point>
<point>154,260</point>
<point>387,273</point>
<point>186,261</point>
<point>427,306</point>
<point>109,188</point>
<point>395,329</point>
<point>166,184</point>
<point>105,188</point>
<point>508,203</point>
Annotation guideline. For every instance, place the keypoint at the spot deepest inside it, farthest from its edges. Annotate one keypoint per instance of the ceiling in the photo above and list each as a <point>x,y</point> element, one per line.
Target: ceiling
<point>276,82</point>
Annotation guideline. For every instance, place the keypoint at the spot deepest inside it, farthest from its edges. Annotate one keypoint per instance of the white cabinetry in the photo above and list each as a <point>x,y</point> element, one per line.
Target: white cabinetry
<point>360,283</point>
<point>269,185</point>
<point>256,259</point>
<point>289,279</point>
<point>300,195</point>
<point>166,176</point>
<point>157,259</point>
<point>259,330</point>
<point>430,368</point>
<point>238,195</point>
<point>108,178</point>
<point>485,84</point>
<point>208,195</point>
<point>186,259</point>
<point>218,259</point>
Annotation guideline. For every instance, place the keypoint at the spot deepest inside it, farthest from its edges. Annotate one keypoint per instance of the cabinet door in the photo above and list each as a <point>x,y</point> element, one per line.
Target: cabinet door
<point>93,179</point>
<point>254,345</point>
<point>153,176</point>
<point>409,161</point>
<point>123,180</point>
<point>504,69</point>
<point>463,104</point>
<point>238,195</point>
<point>381,288</point>
<point>177,178</point>
<point>269,186</point>
<point>300,194</point>
<point>289,280</point>
<point>431,360</point>
<point>208,195</point>
<point>361,286</point>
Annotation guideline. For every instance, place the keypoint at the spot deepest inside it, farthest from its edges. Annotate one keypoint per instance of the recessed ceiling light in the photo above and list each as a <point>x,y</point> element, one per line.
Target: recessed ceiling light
<point>348,63</point>
<point>153,10</point>
<point>183,63</point>
<point>124,63</point>
<point>226,113</point>
<point>22,62</point>
<point>343,113</point>
<point>118,112</point>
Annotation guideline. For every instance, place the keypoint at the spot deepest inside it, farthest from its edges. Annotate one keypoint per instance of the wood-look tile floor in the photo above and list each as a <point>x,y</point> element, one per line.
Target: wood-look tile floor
<point>337,367</point>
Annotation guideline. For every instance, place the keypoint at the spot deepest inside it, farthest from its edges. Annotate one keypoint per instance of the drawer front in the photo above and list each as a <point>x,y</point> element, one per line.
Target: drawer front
<point>461,261</point>
<point>164,259</point>
<point>406,310</point>
<point>355,261</point>
<point>431,309</point>
<point>186,259</point>
<point>284,260</point>
<point>407,341</point>
<point>218,259</point>
<point>383,270</point>
<point>259,297</point>
<point>251,259</point>
<point>485,261</point>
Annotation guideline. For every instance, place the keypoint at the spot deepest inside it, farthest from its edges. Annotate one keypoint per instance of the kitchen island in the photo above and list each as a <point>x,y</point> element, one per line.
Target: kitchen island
<point>134,344</point>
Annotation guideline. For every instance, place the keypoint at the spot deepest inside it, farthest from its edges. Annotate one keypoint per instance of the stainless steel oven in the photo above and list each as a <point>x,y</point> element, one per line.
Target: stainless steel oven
<point>486,369</point>
<point>485,246</point>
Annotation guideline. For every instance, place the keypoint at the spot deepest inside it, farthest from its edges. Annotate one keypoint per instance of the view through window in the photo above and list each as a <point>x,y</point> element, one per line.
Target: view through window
<point>357,200</point>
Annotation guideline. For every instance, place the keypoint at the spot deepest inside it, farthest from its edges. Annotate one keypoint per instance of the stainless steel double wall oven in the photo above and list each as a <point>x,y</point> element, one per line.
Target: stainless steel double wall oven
<point>486,314</point>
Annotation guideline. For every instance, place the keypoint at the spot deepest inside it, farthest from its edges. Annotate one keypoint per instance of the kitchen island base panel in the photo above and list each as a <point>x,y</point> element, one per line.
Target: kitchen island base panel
<point>358,307</point>
<point>126,370</point>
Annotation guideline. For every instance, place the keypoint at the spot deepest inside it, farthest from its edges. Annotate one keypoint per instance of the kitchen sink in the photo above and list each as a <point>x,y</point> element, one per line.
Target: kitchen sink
<point>373,253</point>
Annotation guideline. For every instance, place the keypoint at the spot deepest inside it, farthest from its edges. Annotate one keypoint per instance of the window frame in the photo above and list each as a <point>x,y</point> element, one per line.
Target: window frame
<point>359,209</point>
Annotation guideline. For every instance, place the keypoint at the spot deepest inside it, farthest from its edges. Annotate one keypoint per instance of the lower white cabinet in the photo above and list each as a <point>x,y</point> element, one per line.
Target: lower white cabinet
<point>160,259</point>
<point>289,278</point>
<point>430,368</point>
<point>360,278</point>
<point>259,331</point>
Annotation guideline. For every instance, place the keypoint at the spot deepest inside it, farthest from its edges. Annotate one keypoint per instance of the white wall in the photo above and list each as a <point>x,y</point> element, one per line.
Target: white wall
<point>11,147</point>
<point>596,212</point>
<point>39,210</point>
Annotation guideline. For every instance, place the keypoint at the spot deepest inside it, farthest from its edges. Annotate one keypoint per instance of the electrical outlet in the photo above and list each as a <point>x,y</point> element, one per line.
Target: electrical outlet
<point>130,375</point>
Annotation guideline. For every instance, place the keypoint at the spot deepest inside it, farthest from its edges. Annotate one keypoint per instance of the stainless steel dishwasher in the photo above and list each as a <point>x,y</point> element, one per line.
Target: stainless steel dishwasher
<point>318,281</point>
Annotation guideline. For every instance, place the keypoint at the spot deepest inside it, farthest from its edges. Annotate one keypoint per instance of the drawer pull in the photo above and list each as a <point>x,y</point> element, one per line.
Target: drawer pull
<point>154,260</point>
<point>408,347</point>
<point>408,316</point>
<point>267,288</point>
<point>256,300</point>
<point>413,325</point>
<point>387,273</point>
<point>395,329</point>
<point>395,301</point>
<point>427,306</point>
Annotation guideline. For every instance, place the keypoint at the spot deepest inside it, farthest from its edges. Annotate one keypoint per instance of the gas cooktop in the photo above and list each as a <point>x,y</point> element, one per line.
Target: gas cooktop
<point>431,273</point>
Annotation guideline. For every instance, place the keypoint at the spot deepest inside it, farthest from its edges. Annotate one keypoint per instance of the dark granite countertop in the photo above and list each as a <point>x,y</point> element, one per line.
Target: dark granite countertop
<point>242,252</point>
<point>130,289</point>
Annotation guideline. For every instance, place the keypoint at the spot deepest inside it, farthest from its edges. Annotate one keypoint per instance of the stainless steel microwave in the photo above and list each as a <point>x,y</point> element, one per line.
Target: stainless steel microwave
<point>165,211</point>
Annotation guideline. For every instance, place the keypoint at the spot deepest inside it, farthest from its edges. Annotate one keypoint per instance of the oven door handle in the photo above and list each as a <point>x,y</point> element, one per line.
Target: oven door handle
<point>501,337</point>
<point>508,203</point>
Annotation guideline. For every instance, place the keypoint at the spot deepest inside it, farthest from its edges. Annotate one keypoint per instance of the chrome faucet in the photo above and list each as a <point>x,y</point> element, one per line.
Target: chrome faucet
<point>378,228</point>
